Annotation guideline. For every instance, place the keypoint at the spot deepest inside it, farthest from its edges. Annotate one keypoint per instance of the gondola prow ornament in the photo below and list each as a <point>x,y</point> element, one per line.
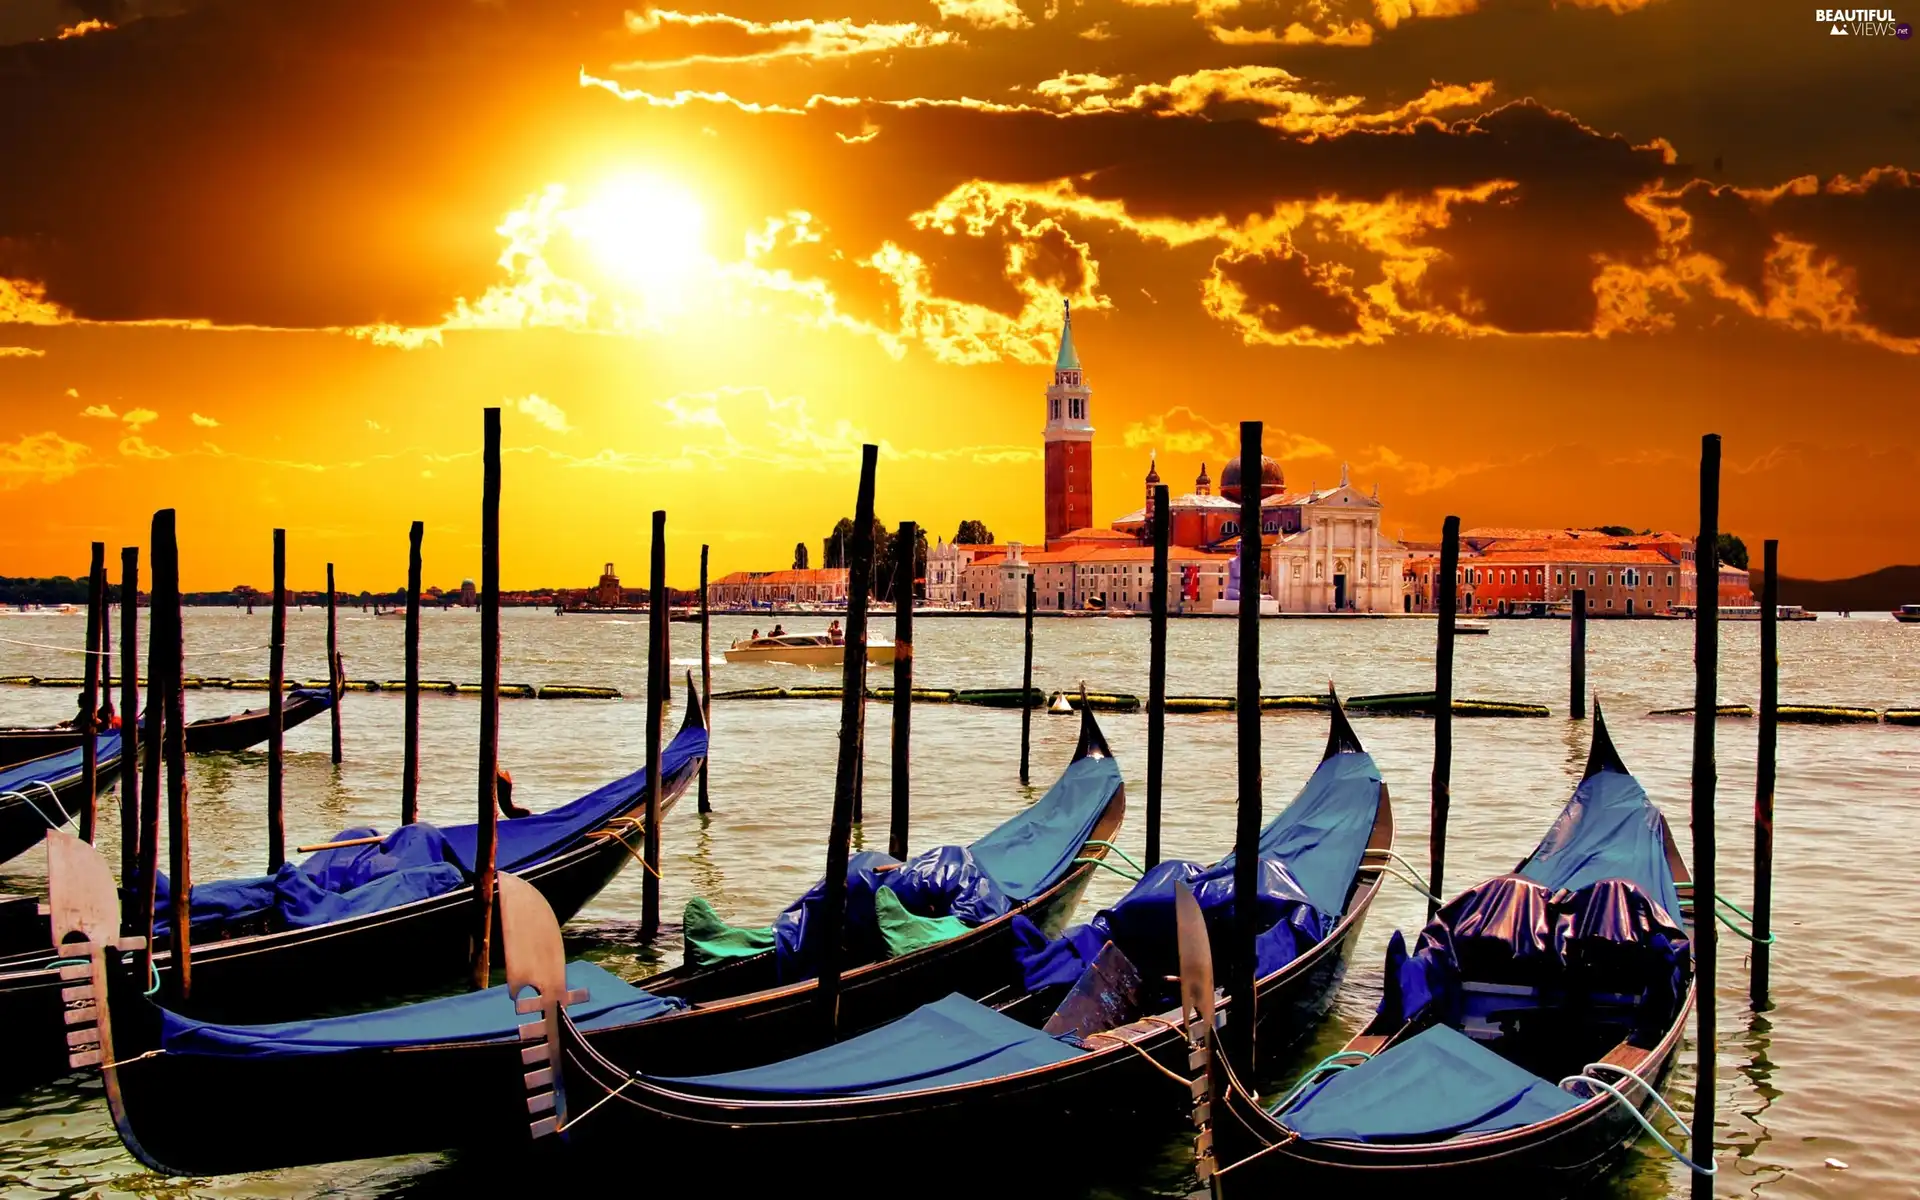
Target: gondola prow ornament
<point>537,959</point>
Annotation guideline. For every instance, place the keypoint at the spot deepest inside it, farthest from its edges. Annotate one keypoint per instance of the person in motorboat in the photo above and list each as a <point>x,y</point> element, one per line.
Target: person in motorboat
<point>834,633</point>
<point>779,630</point>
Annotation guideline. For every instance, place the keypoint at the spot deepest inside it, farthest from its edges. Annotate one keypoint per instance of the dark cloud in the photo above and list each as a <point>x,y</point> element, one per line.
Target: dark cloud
<point>1288,296</point>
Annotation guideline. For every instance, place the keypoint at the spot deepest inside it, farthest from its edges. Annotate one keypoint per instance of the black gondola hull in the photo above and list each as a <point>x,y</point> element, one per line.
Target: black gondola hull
<point>474,1091</point>
<point>24,815</point>
<point>211,735</point>
<point>401,950</point>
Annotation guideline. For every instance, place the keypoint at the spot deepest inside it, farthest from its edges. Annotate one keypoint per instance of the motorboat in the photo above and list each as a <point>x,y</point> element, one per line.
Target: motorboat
<point>804,649</point>
<point>1471,628</point>
<point>1907,614</point>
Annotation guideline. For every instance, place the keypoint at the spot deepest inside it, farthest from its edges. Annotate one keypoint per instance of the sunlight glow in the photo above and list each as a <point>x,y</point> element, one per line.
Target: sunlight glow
<point>646,233</point>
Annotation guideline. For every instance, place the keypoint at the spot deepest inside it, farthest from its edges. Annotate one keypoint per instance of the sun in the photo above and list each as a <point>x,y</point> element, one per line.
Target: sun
<point>646,233</point>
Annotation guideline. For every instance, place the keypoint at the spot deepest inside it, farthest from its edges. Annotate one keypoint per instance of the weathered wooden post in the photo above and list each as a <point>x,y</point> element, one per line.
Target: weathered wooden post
<point>484,841</point>
<point>909,537</point>
<point>706,675</point>
<point>1449,602</point>
<point>130,732</point>
<point>276,702</point>
<point>1706,704</point>
<point>656,703</point>
<point>106,654</point>
<point>90,691</point>
<point>1764,775</point>
<point>1577,669</point>
<point>334,680</point>
<point>410,738</point>
<point>853,701</point>
<point>1157,675</point>
<point>170,662</point>
<point>156,716</point>
<point>1246,845</point>
<point>1026,688</point>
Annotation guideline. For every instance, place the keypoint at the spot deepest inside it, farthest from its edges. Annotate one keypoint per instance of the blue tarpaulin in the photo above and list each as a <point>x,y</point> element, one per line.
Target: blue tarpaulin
<point>1309,855</point>
<point>524,841</point>
<point>27,776</point>
<point>1029,853</point>
<point>413,862</point>
<point>1609,830</point>
<point>951,1041</point>
<point>1430,1087</point>
<point>472,1016</point>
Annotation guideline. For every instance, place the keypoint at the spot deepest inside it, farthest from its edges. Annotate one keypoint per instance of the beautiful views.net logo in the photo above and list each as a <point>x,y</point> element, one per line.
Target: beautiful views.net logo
<point>1862,22</point>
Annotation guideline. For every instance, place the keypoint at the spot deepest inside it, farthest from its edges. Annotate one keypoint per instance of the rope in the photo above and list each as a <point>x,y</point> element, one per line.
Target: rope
<point>1101,862</point>
<point>1410,883</point>
<point>127,1062</point>
<point>1633,1110</point>
<point>1769,940</point>
<point>620,837</point>
<point>1401,859</point>
<point>595,1106</point>
<point>57,806</point>
<point>1330,1063</point>
<point>102,653</point>
<point>1122,853</point>
<point>1182,1081</point>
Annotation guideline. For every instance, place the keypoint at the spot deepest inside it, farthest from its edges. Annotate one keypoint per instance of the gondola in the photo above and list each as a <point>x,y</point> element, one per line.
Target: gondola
<point>48,792</point>
<point>210,735</point>
<point>1061,1050</point>
<point>259,968</point>
<point>447,1074</point>
<point>1517,1046</point>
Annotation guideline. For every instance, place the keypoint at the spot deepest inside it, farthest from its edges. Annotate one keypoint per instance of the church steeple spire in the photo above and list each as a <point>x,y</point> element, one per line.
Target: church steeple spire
<point>1069,358</point>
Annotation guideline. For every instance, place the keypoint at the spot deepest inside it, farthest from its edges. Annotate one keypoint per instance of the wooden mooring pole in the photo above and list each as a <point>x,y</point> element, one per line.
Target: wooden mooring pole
<point>902,770</point>
<point>90,692</point>
<point>1246,843</point>
<point>485,840</point>
<point>1157,675</point>
<point>130,733</point>
<point>276,699</point>
<point>1577,667</point>
<point>334,674</point>
<point>1706,703</point>
<point>853,691</point>
<point>1764,776</point>
<point>410,736</point>
<point>1026,688</point>
<point>1449,603</point>
<point>170,662</point>
<point>706,676</point>
<point>156,713</point>
<point>657,633</point>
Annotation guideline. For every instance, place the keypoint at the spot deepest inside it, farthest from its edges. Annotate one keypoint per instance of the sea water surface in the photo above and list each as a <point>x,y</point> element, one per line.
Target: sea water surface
<point>1827,1075</point>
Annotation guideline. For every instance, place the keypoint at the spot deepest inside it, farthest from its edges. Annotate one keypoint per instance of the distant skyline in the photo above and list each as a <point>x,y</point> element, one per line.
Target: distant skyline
<point>265,263</point>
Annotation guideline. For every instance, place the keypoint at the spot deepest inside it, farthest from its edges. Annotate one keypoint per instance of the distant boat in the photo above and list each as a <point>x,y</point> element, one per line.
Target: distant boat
<point>1907,614</point>
<point>803,649</point>
<point>1469,628</point>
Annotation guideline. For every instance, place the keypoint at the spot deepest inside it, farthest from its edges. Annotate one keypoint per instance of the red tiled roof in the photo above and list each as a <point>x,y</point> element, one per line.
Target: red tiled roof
<point>1575,555</point>
<point>1091,534</point>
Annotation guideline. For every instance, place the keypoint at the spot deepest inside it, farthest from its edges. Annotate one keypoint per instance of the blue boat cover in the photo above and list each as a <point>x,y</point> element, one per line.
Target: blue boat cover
<point>55,767</point>
<point>1309,855</point>
<point>1436,1085</point>
<point>942,882</point>
<point>1609,830</point>
<point>1035,848</point>
<point>1029,853</point>
<point>524,841</point>
<point>411,863</point>
<point>470,1017</point>
<point>951,1041</point>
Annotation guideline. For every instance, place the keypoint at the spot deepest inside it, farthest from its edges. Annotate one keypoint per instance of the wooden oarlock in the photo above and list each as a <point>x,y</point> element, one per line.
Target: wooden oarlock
<point>536,958</point>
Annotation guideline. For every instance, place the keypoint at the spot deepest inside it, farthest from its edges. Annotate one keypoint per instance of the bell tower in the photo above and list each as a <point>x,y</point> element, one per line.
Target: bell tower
<point>1069,441</point>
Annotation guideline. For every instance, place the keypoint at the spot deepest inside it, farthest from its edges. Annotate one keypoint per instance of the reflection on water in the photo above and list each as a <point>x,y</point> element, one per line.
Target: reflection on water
<point>1795,1086</point>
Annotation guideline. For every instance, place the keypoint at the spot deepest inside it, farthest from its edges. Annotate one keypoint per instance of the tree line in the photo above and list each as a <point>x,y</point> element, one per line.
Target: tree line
<point>886,552</point>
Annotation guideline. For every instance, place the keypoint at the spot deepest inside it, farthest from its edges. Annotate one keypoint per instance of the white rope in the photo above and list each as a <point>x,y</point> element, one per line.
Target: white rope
<point>57,806</point>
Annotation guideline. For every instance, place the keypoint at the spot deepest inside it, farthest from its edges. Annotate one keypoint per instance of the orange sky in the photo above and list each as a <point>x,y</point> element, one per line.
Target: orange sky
<point>264,263</point>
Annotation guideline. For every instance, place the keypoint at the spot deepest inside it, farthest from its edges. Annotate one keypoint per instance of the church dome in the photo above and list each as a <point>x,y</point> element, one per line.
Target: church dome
<point>1272,482</point>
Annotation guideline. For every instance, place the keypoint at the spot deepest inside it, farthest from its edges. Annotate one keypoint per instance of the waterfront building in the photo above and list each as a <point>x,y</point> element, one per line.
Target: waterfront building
<point>1506,570</point>
<point>606,593</point>
<point>1068,438</point>
<point>749,589</point>
<point>945,563</point>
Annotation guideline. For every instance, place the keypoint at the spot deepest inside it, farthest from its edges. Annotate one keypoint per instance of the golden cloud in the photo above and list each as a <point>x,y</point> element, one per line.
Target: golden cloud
<point>765,41</point>
<point>984,14</point>
<point>544,412</point>
<point>21,352</point>
<point>39,458</point>
<point>135,446</point>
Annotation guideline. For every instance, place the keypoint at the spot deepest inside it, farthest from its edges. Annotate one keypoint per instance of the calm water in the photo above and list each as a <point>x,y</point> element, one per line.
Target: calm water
<point>1828,1073</point>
